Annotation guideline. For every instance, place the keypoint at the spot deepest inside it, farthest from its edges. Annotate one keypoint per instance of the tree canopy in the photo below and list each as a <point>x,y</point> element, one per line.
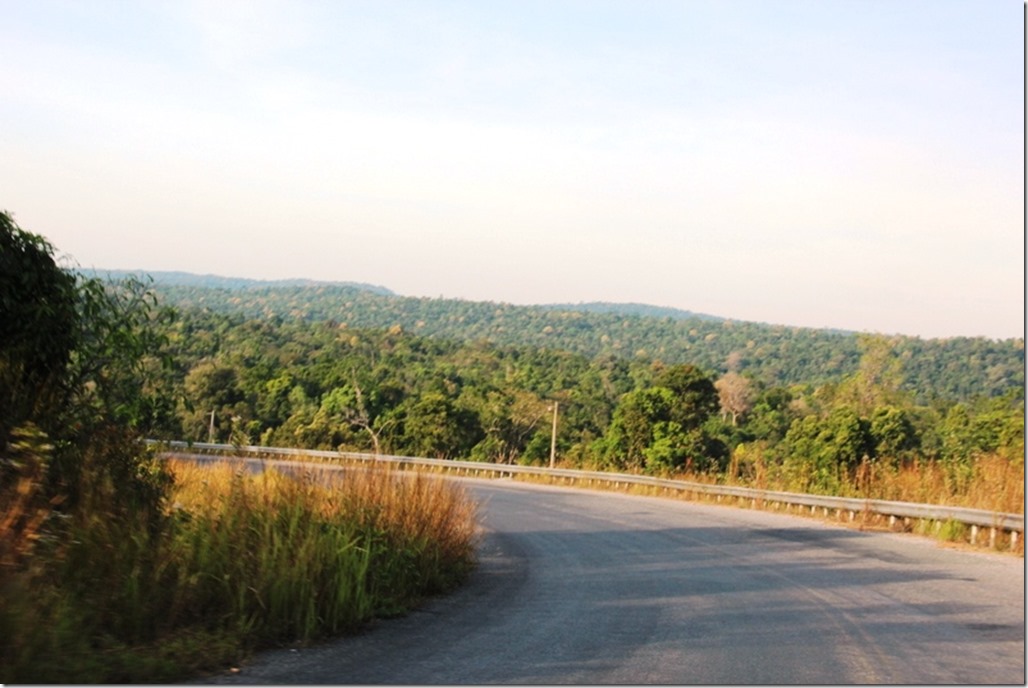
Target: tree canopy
<point>959,368</point>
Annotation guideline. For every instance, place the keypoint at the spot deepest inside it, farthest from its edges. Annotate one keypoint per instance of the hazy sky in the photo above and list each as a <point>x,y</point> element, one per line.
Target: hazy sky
<point>857,165</point>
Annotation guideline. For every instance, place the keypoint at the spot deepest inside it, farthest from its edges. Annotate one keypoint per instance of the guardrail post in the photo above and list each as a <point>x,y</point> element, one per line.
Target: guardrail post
<point>974,534</point>
<point>1013,539</point>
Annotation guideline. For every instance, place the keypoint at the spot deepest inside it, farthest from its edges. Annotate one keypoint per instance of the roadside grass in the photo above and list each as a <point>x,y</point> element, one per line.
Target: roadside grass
<point>988,481</point>
<point>240,561</point>
<point>992,482</point>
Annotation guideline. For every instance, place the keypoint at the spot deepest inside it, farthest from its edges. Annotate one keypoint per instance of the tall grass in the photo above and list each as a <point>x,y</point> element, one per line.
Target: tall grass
<point>241,561</point>
<point>991,481</point>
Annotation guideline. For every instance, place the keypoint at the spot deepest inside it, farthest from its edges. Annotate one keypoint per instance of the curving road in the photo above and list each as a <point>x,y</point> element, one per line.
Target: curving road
<point>587,587</point>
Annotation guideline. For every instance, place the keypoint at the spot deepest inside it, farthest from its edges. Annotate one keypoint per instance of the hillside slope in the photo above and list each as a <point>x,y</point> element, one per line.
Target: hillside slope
<point>956,368</point>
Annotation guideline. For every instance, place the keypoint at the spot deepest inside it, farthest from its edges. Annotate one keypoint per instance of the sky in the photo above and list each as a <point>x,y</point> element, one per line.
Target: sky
<point>853,165</point>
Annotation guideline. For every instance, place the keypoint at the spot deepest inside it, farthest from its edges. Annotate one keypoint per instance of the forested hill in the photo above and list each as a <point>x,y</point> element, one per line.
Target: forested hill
<point>957,368</point>
<point>631,309</point>
<point>188,279</point>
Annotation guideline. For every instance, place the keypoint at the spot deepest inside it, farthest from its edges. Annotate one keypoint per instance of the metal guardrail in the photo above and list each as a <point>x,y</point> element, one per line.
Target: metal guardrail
<point>976,518</point>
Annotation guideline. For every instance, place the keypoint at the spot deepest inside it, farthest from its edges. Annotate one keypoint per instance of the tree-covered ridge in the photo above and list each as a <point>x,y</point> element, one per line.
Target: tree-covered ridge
<point>630,309</point>
<point>318,384</point>
<point>312,384</point>
<point>958,368</point>
<point>189,279</point>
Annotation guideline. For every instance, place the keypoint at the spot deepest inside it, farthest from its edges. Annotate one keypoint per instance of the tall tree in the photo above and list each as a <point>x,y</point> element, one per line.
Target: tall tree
<point>435,427</point>
<point>39,327</point>
<point>695,397</point>
<point>879,376</point>
<point>893,433</point>
<point>72,367</point>
<point>735,394</point>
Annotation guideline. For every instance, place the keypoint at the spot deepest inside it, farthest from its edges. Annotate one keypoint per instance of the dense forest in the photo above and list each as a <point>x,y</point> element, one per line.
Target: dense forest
<point>289,366</point>
<point>959,368</point>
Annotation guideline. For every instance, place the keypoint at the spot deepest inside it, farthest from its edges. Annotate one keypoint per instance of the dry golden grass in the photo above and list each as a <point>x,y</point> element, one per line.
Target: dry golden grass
<point>417,533</point>
<point>242,560</point>
<point>990,482</point>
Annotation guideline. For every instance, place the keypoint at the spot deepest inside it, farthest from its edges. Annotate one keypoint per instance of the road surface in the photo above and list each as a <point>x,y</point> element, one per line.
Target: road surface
<point>589,587</point>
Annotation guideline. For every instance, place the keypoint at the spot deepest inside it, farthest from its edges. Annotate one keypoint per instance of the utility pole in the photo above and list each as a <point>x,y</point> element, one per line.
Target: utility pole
<point>210,430</point>
<point>553,436</point>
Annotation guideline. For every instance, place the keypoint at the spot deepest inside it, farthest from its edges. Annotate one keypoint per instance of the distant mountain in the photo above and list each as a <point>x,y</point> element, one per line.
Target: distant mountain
<point>188,279</point>
<point>632,309</point>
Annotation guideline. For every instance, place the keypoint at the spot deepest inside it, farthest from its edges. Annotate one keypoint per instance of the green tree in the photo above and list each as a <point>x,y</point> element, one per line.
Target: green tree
<point>434,427</point>
<point>73,355</point>
<point>771,415</point>
<point>273,401</point>
<point>695,397</point>
<point>633,427</point>
<point>509,419</point>
<point>213,388</point>
<point>819,452</point>
<point>879,376</point>
<point>893,433</point>
<point>647,432</point>
<point>39,327</point>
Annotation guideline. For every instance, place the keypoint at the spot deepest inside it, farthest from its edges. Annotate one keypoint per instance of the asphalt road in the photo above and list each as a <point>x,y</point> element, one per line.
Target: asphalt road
<point>588,587</point>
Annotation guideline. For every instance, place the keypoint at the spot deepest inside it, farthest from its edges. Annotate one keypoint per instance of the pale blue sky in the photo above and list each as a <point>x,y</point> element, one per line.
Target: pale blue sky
<point>857,165</point>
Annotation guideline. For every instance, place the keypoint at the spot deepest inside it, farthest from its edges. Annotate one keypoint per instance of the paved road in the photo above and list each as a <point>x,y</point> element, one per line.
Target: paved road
<point>588,587</point>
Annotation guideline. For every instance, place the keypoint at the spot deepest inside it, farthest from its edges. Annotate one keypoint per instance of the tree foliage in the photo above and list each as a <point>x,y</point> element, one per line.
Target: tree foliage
<point>38,326</point>
<point>80,362</point>
<point>959,369</point>
<point>290,366</point>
